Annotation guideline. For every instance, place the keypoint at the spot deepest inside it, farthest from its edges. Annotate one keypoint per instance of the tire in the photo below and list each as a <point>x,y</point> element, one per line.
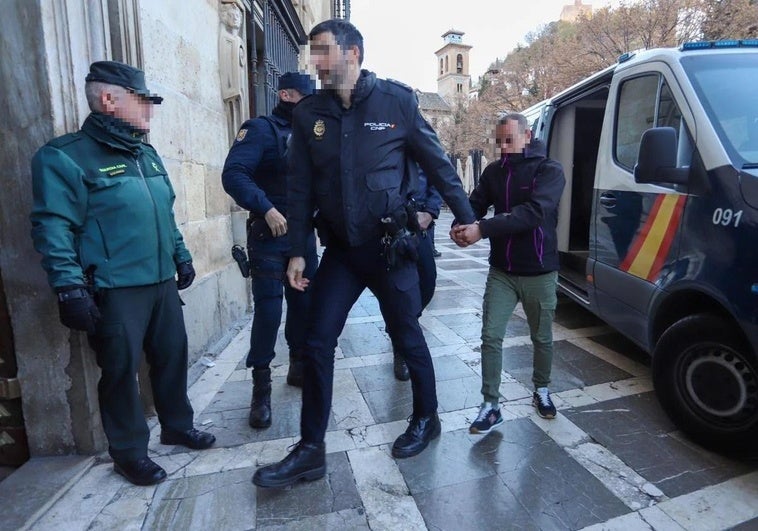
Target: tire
<point>707,382</point>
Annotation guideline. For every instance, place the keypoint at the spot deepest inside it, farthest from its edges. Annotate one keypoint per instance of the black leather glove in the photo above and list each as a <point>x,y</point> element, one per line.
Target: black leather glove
<point>77,309</point>
<point>186,274</point>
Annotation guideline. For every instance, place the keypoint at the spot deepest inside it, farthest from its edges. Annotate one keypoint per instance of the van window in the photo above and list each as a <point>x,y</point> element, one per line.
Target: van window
<point>646,102</point>
<point>636,114</point>
<point>669,115</point>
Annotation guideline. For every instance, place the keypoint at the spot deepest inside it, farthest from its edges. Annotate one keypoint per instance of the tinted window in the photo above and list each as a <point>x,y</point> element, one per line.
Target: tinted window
<point>636,114</point>
<point>646,102</point>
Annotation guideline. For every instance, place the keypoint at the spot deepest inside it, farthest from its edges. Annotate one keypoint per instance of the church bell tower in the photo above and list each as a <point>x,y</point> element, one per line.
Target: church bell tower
<point>453,77</point>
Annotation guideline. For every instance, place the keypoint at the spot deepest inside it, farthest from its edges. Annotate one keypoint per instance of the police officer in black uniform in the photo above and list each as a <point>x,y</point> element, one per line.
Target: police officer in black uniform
<point>351,147</point>
<point>255,176</point>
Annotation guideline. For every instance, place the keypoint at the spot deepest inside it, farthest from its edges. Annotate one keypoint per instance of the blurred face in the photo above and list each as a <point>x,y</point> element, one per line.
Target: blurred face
<point>331,62</point>
<point>510,139</point>
<point>129,107</point>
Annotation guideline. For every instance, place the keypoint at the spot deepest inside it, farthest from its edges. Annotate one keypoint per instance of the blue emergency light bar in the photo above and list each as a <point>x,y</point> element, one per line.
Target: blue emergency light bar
<point>731,43</point>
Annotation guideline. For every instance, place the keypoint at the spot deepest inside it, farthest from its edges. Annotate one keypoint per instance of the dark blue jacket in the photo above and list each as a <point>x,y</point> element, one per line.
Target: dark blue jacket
<point>427,198</point>
<point>255,171</point>
<point>525,190</point>
<point>350,164</point>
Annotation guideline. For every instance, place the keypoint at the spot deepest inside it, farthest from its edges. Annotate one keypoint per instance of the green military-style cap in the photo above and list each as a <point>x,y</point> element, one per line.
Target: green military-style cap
<point>123,75</point>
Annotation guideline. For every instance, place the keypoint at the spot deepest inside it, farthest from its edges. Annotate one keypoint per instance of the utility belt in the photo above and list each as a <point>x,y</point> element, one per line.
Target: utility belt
<point>244,260</point>
<point>257,230</point>
<point>398,235</point>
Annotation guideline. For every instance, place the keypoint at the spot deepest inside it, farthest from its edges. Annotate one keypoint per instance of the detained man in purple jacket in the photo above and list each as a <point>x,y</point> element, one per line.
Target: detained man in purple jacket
<point>524,186</point>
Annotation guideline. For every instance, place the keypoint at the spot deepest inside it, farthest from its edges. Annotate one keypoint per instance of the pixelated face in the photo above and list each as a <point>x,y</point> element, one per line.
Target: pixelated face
<point>510,139</point>
<point>133,109</point>
<point>331,62</point>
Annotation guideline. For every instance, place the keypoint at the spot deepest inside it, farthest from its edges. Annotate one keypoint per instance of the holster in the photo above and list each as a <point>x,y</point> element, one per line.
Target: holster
<point>411,210</point>
<point>240,256</point>
<point>398,243</point>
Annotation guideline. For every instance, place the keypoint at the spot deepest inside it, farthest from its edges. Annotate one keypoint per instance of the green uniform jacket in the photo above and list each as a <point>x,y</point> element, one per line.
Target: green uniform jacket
<point>101,202</point>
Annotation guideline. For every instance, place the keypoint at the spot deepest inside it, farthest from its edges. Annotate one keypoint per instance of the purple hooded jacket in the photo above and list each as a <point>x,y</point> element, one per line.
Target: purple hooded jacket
<point>525,190</point>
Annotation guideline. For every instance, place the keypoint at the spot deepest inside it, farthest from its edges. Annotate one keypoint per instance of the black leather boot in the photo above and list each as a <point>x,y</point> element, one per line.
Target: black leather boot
<point>400,367</point>
<point>260,406</point>
<point>192,438</point>
<point>295,372</point>
<point>420,432</point>
<point>307,461</point>
<point>141,472</point>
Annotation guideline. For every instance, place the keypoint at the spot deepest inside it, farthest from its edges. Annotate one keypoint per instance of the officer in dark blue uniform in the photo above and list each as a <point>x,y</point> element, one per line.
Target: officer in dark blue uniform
<point>255,176</point>
<point>352,144</point>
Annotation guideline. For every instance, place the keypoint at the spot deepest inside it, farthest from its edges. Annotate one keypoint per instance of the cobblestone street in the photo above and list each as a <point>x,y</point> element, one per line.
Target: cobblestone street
<point>610,460</point>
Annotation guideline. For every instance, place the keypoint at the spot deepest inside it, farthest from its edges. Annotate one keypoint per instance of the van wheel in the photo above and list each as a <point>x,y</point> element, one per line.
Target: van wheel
<point>707,382</point>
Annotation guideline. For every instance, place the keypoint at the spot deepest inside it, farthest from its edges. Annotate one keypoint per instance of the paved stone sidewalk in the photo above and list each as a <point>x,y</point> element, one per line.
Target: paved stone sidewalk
<point>610,460</point>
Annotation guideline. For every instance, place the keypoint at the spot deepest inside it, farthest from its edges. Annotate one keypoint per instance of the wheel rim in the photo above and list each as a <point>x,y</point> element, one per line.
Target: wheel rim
<point>719,385</point>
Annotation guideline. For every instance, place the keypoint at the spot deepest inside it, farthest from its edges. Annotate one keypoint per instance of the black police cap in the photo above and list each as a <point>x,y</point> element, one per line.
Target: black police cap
<point>295,80</point>
<point>123,75</point>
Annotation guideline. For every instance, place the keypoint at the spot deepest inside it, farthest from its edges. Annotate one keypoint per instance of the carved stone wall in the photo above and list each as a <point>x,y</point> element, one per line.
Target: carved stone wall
<point>51,44</point>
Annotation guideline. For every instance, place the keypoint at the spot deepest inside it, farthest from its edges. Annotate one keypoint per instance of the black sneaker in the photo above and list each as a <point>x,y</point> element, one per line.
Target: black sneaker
<point>541,400</point>
<point>488,418</point>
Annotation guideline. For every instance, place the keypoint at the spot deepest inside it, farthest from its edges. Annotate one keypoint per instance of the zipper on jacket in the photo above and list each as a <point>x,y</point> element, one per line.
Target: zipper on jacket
<point>539,243</point>
<point>155,213</point>
<point>102,240</point>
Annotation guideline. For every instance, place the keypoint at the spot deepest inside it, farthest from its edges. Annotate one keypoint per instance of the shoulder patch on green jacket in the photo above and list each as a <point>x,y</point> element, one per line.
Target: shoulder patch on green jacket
<point>400,84</point>
<point>64,140</point>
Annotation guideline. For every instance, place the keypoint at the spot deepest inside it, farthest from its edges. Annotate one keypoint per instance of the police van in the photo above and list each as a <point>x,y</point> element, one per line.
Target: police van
<point>658,223</point>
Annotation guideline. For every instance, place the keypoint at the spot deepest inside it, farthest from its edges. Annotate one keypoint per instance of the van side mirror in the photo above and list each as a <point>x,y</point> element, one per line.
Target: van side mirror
<point>656,162</point>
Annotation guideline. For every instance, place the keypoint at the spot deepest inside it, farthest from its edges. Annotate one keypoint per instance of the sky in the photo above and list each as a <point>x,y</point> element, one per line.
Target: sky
<point>401,36</point>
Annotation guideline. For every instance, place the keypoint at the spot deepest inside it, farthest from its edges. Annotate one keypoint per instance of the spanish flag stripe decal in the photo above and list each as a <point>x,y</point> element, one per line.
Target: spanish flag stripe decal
<point>668,238</point>
<point>651,246</point>
<point>634,250</point>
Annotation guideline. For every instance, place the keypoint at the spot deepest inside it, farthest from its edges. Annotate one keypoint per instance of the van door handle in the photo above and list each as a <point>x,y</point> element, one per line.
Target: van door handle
<point>608,200</point>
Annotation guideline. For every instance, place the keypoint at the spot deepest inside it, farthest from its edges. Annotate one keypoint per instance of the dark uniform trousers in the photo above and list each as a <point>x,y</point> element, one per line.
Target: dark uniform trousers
<point>134,319</point>
<point>268,260</point>
<point>342,275</point>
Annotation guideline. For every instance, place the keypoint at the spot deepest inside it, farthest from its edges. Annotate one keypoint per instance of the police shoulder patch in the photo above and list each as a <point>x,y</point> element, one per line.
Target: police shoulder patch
<point>400,84</point>
<point>241,135</point>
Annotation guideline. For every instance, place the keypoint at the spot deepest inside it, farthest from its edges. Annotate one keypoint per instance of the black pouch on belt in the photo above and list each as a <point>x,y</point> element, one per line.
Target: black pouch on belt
<point>258,229</point>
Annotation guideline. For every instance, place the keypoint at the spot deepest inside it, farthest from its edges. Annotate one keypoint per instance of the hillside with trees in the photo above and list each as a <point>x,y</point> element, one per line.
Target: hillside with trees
<point>560,54</point>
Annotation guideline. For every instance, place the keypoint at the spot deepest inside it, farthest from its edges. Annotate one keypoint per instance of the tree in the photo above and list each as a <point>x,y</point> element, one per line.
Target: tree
<point>561,54</point>
<point>730,19</point>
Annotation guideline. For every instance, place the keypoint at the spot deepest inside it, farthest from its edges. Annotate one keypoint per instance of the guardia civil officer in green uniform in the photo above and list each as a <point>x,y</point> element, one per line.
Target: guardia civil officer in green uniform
<point>103,221</point>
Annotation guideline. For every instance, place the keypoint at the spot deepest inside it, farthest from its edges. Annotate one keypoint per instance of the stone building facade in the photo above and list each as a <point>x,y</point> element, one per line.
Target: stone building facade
<point>48,376</point>
<point>434,108</point>
<point>571,12</point>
